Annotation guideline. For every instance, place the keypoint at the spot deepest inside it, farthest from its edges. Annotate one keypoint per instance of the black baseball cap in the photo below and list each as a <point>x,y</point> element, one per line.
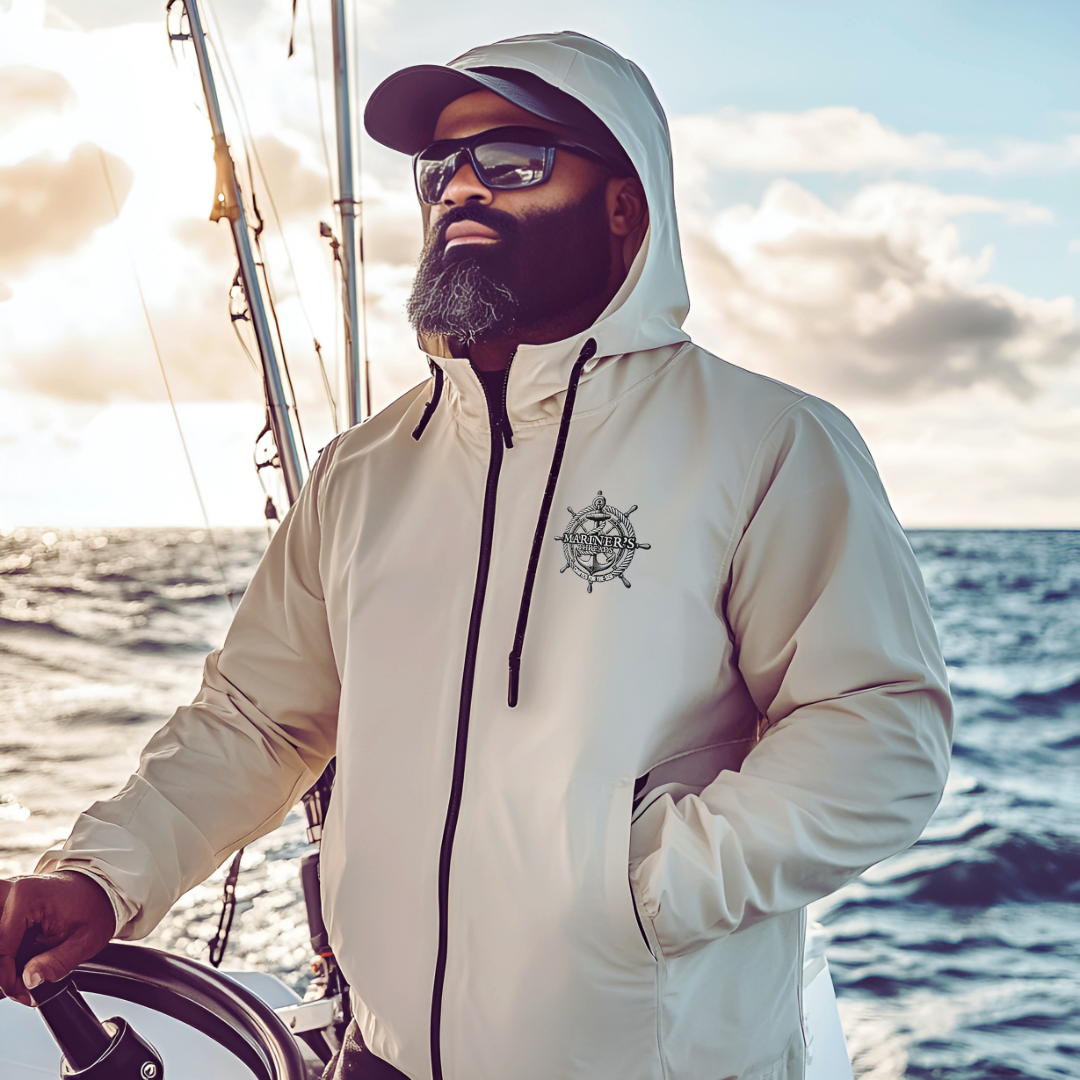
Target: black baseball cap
<point>404,108</point>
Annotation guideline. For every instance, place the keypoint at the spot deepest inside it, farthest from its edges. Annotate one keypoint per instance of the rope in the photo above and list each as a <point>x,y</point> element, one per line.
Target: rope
<point>165,379</point>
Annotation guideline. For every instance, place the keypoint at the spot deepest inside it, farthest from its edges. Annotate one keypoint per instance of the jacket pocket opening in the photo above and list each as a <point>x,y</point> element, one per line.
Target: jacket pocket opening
<point>637,919</point>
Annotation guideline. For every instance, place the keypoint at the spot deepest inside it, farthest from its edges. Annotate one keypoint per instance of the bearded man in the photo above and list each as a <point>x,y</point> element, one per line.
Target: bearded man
<point>623,655</point>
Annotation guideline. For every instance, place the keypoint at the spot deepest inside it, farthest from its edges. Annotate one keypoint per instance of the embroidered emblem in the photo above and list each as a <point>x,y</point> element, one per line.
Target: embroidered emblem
<point>599,542</point>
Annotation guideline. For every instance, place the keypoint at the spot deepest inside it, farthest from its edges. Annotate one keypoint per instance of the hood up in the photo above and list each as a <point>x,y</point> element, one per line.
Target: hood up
<point>649,309</point>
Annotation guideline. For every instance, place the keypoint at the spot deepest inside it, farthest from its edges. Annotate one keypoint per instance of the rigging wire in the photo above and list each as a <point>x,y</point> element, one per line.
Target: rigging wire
<point>168,389</point>
<point>359,216</point>
<point>251,150</point>
<point>319,104</point>
<point>330,190</point>
<point>299,296</point>
<point>225,63</point>
<point>339,320</point>
<point>243,344</point>
<point>281,341</point>
<point>326,385</point>
<point>239,317</point>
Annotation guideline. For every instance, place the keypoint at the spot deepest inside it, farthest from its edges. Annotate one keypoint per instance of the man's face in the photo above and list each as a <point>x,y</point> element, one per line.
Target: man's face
<point>498,261</point>
<point>571,178</point>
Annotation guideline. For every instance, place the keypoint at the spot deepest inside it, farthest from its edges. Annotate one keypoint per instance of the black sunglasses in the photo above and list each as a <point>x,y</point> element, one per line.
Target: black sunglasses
<point>502,158</point>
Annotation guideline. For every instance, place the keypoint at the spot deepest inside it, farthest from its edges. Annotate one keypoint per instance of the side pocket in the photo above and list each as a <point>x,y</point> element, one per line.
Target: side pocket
<point>637,916</point>
<point>645,926</point>
<point>642,841</point>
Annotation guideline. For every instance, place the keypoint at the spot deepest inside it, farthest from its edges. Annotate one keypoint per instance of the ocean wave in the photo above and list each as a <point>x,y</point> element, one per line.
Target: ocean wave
<point>1016,681</point>
<point>1064,1023</point>
<point>166,648</point>
<point>1069,692</point>
<point>981,1069</point>
<point>40,626</point>
<point>965,944</point>
<point>117,717</point>
<point>1015,868</point>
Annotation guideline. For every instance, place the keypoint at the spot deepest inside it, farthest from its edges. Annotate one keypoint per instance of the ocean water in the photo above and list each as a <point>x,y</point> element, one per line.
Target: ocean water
<point>956,960</point>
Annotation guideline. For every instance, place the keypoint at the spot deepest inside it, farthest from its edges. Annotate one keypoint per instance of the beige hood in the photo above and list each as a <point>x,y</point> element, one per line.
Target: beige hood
<point>652,305</point>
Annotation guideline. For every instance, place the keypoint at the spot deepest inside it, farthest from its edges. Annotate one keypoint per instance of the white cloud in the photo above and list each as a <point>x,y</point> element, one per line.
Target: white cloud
<point>962,386</point>
<point>966,391</point>
<point>50,207</point>
<point>841,139</point>
<point>27,92</point>
<point>80,15</point>
<point>876,298</point>
<point>94,346</point>
<point>979,458</point>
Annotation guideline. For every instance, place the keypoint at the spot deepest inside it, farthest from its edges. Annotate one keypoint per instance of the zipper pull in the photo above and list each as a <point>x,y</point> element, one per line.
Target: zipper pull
<point>504,419</point>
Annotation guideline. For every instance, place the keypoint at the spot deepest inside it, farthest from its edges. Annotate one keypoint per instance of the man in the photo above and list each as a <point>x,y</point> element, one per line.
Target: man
<point>724,695</point>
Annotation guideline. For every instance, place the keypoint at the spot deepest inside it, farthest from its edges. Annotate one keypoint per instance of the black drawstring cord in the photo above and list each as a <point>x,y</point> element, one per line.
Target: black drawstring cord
<point>588,351</point>
<point>504,420</point>
<point>432,405</point>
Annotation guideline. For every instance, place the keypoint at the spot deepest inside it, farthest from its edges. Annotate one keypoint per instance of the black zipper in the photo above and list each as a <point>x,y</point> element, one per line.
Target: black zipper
<point>499,423</point>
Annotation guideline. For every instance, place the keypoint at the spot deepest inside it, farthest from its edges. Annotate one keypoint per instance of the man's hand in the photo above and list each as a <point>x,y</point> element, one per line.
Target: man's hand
<point>76,921</point>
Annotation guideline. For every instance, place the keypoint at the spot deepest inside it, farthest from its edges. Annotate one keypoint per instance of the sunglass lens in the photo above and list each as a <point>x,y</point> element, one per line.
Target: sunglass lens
<point>510,164</point>
<point>433,176</point>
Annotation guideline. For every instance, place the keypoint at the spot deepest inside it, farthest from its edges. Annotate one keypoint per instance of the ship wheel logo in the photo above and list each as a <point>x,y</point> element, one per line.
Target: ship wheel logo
<point>599,542</point>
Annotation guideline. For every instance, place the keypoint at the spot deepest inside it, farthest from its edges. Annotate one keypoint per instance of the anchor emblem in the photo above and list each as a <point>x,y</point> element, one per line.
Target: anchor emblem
<point>599,542</point>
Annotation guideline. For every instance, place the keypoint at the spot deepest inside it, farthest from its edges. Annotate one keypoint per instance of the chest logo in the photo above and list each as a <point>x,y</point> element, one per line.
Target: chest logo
<point>599,542</point>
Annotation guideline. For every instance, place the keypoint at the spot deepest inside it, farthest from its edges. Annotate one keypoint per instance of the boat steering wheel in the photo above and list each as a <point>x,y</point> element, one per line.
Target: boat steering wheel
<point>196,995</point>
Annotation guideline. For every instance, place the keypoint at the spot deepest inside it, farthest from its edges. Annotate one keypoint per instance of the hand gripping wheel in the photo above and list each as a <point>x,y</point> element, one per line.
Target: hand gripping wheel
<point>183,989</point>
<point>92,1050</point>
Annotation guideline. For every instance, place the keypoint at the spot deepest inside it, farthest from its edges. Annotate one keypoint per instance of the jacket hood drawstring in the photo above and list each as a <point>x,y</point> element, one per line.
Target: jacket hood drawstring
<point>433,403</point>
<point>587,352</point>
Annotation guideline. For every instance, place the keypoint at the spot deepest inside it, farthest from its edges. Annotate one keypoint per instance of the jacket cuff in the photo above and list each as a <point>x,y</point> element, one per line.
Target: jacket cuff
<point>123,913</point>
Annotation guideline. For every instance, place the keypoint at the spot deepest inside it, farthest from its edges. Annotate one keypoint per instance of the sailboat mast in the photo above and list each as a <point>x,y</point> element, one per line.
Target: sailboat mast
<point>347,204</point>
<point>228,204</point>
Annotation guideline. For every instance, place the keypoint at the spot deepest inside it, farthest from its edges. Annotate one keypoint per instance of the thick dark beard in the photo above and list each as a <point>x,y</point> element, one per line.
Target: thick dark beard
<point>458,298</point>
<point>543,264</point>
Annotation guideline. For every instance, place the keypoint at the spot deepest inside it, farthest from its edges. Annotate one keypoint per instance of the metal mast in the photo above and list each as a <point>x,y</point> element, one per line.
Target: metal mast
<point>355,343</point>
<point>228,204</point>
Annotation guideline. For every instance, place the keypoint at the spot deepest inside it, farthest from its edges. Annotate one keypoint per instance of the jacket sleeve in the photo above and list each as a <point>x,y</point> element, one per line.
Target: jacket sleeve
<point>227,768</point>
<point>832,633</point>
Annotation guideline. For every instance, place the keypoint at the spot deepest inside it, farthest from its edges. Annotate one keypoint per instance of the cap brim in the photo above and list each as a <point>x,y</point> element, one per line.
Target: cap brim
<point>404,108</point>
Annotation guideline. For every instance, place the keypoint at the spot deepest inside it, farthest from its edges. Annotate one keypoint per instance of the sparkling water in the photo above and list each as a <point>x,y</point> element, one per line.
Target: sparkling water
<point>958,959</point>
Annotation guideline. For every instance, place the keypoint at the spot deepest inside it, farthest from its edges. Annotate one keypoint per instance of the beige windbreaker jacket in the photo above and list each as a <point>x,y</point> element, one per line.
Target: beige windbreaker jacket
<point>731,696</point>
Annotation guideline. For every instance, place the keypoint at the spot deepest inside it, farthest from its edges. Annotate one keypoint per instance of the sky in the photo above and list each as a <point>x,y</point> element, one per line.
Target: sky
<point>877,203</point>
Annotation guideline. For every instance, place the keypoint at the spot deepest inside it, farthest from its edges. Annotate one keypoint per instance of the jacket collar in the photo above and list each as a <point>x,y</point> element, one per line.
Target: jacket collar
<point>539,374</point>
<point>535,386</point>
